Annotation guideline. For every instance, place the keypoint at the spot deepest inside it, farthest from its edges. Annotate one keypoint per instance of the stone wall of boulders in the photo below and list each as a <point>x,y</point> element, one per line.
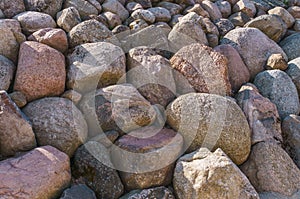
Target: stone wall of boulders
<point>141,99</point>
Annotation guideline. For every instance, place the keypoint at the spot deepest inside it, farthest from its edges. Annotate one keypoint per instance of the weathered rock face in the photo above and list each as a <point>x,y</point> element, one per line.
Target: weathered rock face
<point>254,52</point>
<point>41,71</point>
<point>118,107</point>
<point>49,7</point>
<point>261,113</point>
<point>85,8</point>
<point>16,133</point>
<point>7,70</point>
<point>202,69</point>
<point>187,31</point>
<point>279,88</point>
<point>78,192</point>
<point>57,122</point>
<point>95,65</point>
<point>270,169</point>
<point>238,72</point>
<point>32,21</point>
<point>10,38</point>
<point>93,167</point>
<point>55,38</point>
<point>293,71</point>
<point>151,74</point>
<point>203,174</point>
<point>97,33</point>
<point>291,46</point>
<point>290,130</point>
<point>146,156</point>
<point>211,121</point>
<point>12,8</point>
<point>68,18</point>
<point>272,25</point>
<point>157,192</point>
<point>42,173</point>
<point>284,15</point>
<point>239,19</point>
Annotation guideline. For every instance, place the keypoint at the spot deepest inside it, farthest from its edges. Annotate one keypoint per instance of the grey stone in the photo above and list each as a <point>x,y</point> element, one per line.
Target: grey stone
<point>291,46</point>
<point>7,71</point>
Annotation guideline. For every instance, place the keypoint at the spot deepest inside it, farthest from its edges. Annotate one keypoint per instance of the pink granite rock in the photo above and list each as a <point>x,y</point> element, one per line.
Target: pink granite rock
<point>42,173</point>
<point>55,38</point>
<point>41,71</point>
<point>238,72</point>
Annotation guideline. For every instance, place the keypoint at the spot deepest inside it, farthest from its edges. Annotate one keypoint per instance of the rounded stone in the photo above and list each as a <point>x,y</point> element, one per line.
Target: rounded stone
<point>146,15</point>
<point>291,46</point>
<point>161,14</point>
<point>211,121</point>
<point>7,71</point>
<point>57,122</point>
<point>50,7</point>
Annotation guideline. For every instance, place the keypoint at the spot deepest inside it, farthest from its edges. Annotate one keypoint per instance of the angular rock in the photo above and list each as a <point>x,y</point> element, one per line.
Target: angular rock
<point>95,65</point>
<point>291,46</point>
<point>152,75</point>
<point>16,133</point>
<point>246,7</point>
<point>270,169</point>
<point>116,7</point>
<point>84,7</point>
<point>211,121</point>
<point>276,61</point>
<point>157,192</point>
<point>57,122</point>
<point>144,3</point>
<point>254,52</point>
<point>279,88</point>
<point>238,72</point>
<point>10,38</point>
<point>32,21</point>
<point>262,115</point>
<point>42,173</point>
<point>98,32</point>
<point>49,7</point>
<point>187,31</point>
<point>224,26</point>
<point>294,11</point>
<point>296,26</point>
<point>92,166</point>
<point>112,19</point>
<point>119,107</point>
<point>145,157</point>
<point>284,15</point>
<point>173,8</point>
<point>290,130</point>
<point>41,71</point>
<point>133,6</point>
<point>212,9</point>
<point>7,71</point>
<point>78,192</point>
<point>272,25</point>
<point>161,14</point>
<point>18,98</point>
<point>55,38</point>
<point>197,8</point>
<point>68,18</point>
<point>204,71</point>
<point>12,8</point>
<point>203,174</point>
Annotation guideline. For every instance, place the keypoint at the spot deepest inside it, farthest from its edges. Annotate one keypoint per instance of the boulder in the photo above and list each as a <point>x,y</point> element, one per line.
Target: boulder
<point>284,15</point>
<point>161,14</point>
<point>41,173</point>
<point>84,7</point>
<point>49,7</point>
<point>280,89</point>
<point>41,71</point>
<point>57,122</point>
<point>16,134</point>
<point>203,174</point>
<point>92,166</point>
<point>116,7</point>
<point>68,18</point>
<point>291,46</point>
<point>254,52</point>
<point>95,65</point>
<point>211,121</point>
<point>200,67</point>
<point>12,8</point>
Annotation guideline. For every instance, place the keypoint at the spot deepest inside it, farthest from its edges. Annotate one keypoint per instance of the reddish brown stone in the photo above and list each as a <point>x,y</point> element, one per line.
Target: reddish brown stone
<point>146,157</point>
<point>42,173</point>
<point>238,72</point>
<point>202,68</point>
<point>41,71</point>
<point>55,38</point>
